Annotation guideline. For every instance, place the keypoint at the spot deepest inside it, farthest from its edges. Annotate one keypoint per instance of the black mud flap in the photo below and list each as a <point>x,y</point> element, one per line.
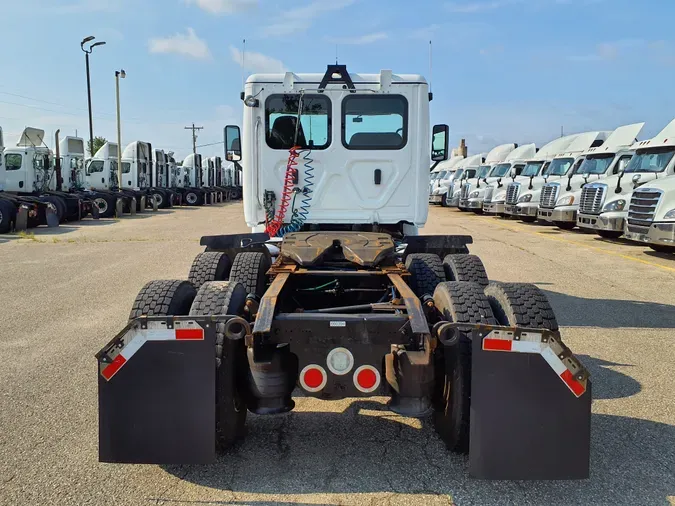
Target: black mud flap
<point>156,392</point>
<point>530,407</point>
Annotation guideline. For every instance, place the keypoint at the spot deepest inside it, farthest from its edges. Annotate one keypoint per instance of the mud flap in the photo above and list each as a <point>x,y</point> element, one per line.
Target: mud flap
<point>21,221</point>
<point>156,392</point>
<point>530,407</point>
<point>51,217</point>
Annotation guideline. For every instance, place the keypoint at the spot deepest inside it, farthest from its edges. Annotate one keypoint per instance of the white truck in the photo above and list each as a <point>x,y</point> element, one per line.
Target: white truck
<point>467,168</point>
<point>651,215</point>
<point>439,195</point>
<point>193,186</point>
<point>484,176</point>
<point>603,204</point>
<point>528,203</point>
<point>339,296</point>
<point>514,166</point>
<point>559,201</point>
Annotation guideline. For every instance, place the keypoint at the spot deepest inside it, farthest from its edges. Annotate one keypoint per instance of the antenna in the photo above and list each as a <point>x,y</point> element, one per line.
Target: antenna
<point>336,54</point>
<point>562,131</point>
<point>243,66</point>
<point>430,65</point>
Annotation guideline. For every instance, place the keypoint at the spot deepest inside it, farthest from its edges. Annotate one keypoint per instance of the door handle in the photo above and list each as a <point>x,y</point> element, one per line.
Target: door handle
<point>377,175</point>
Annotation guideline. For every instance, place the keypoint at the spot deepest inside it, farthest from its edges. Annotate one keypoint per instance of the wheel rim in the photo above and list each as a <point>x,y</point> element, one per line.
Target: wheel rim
<point>191,198</point>
<point>158,198</point>
<point>102,205</point>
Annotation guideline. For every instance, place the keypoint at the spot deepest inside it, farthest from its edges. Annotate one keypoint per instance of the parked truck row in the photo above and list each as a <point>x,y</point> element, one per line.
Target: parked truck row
<point>607,182</point>
<point>39,186</point>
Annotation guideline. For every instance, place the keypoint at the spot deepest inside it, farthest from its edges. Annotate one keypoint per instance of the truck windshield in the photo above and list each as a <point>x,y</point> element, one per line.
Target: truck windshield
<point>596,164</point>
<point>651,161</point>
<point>532,169</point>
<point>469,173</point>
<point>458,173</point>
<point>483,171</point>
<point>560,166</point>
<point>94,166</point>
<point>442,174</point>
<point>501,170</point>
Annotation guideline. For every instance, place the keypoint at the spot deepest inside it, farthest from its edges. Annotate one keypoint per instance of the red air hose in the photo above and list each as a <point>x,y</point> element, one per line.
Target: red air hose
<point>275,225</point>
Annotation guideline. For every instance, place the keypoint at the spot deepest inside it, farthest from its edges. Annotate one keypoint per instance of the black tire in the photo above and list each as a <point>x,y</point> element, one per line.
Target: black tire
<point>426,272</point>
<point>250,269</point>
<point>217,298</point>
<point>192,198</point>
<point>565,225</point>
<point>105,205</point>
<point>7,216</point>
<point>163,298</point>
<point>462,303</point>
<point>467,268</point>
<point>209,266</point>
<point>662,248</point>
<point>159,197</point>
<point>521,304</point>
<point>609,234</point>
<point>61,213</point>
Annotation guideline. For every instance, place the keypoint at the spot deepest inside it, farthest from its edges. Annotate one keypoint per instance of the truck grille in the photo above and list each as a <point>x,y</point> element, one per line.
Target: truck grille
<point>592,198</point>
<point>549,195</point>
<point>512,192</point>
<point>466,188</point>
<point>642,207</point>
<point>488,194</point>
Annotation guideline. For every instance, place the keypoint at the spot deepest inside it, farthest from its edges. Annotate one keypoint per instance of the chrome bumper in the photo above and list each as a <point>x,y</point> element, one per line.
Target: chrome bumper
<point>473,204</point>
<point>557,214</point>
<point>510,209</point>
<point>435,199</point>
<point>612,222</point>
<point>659,234</point>
<point>494,207</point>
<point>527,210</point>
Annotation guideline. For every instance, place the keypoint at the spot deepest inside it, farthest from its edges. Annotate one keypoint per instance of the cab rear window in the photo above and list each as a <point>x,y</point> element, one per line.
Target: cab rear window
<point>375,122</point>
<point>281,121</point>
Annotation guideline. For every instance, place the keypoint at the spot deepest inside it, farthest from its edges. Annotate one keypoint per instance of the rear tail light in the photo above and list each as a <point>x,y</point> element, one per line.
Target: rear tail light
<point>366,379</point>
<point>313,378</point>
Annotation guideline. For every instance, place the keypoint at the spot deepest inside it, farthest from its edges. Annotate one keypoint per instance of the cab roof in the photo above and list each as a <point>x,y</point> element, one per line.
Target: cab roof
<point>292,78</point>
<point>664,138</point>
<point>524,152</point>
<point>582,142</point>
<point>451,163</point>
<point>499,153</point>
<point>621,138</point>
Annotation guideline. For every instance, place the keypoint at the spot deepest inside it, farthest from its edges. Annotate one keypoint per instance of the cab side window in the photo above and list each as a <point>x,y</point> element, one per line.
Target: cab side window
<point>13,161</point>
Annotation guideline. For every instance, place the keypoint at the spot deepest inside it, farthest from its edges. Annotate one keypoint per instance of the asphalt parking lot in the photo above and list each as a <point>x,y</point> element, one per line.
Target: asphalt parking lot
<point>67,291</point>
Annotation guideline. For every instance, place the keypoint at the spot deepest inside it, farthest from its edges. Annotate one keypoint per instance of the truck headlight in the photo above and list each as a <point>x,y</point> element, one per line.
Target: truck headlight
<point>670,215</point>
<point>525,198</point>
<point>473,195</point>
<point>617,205</point>
<point>499,197</point>
<point>566,201</point>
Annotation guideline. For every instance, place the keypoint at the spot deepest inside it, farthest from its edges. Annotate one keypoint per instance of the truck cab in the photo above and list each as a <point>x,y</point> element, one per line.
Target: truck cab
<point>603,204</point>
<point>599,162</point>
<point>73,177</point>
<point>440,192</point>
<point>651,215</point>
<point>468,168</point>
<point>355,140</point>
<point>29,165</point>
<point>561,165</point>
<point>486,174</point>
<point>513,166</point>
<point>192,189</point>
<point>101,169</point>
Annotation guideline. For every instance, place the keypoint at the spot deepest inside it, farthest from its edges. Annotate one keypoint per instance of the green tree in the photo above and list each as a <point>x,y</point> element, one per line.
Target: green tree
<point>98,144</point>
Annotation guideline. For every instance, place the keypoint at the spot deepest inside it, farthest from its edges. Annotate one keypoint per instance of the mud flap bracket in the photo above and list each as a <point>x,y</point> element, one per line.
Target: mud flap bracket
<point>530,407</point>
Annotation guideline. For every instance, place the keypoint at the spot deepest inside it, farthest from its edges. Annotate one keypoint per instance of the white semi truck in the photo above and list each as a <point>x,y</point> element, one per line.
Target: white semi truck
<point>469,169</point>
<point>339,296</point>
<point>485,175</point>
<point>193,186</point>
<point>559,201</point>
<point>603,205</point>
<point>651,215</point>
<point>439,194</point>
<point>514,166</point>
<point>528,203</point>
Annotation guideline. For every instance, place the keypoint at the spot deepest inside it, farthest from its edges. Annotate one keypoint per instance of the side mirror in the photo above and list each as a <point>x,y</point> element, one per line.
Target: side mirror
<point>232,143</point>
<point>439,143</point>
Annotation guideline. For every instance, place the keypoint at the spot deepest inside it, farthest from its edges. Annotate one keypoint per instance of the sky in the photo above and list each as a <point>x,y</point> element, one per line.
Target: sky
<point>503,70</point>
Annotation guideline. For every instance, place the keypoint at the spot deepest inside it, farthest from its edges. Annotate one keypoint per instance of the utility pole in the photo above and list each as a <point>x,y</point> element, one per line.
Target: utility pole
<point>194,136</point>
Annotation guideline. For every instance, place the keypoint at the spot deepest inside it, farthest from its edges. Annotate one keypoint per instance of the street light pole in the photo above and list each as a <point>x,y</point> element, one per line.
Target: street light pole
<point>87,52</point>
<point>118,74</point>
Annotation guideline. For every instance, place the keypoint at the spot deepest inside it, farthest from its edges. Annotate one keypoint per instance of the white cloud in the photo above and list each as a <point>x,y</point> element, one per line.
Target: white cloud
<point>187,44</point>
<point>256,62</point>
<point>301,18</point>
<point>424,33</point>
<point>610,51</point>
<point>367,38</point>
<point>223,6</point>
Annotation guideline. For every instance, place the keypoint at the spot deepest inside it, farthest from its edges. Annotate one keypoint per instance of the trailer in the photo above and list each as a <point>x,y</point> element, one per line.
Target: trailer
<point>559,201</point>
<point>604,204</point>
<point>492,170</point>
<point>339,296</point>
<point>561,165</point>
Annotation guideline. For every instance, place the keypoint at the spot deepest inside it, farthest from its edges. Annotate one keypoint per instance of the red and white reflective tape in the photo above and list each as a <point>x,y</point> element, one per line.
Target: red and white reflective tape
<point>184,330</point>
<point>532,342</point>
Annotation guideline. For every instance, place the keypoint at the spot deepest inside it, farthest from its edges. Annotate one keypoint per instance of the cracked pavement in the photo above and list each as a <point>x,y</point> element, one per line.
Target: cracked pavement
<point>63,299</point>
